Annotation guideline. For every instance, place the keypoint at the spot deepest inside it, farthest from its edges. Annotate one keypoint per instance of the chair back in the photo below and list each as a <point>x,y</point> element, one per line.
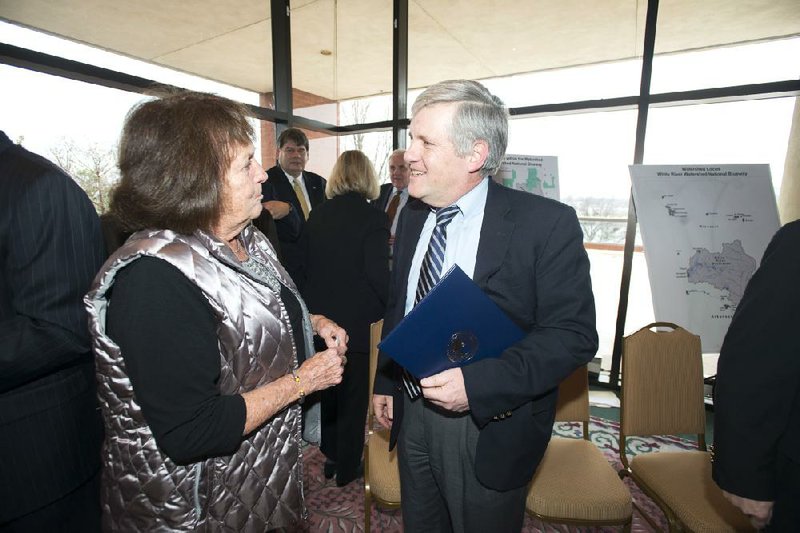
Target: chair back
<point>574,483</point>
<point>662,394</point>
<point>381,474</point>
<point>573,399</point>
<point>662,383</point>
<point>375,330</point>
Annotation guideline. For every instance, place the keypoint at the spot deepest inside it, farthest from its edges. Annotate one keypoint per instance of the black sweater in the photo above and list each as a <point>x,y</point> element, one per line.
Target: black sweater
<point>167,332</point>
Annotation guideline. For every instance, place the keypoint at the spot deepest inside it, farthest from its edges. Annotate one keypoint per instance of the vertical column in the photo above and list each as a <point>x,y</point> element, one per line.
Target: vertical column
<point>630,233</point>
<point>400,72</point>
<point>789,198</point>
<point>281,60</point>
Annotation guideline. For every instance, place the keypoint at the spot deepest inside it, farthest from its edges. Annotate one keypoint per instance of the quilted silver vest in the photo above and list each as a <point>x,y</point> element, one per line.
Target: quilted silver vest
<point>257,488</point>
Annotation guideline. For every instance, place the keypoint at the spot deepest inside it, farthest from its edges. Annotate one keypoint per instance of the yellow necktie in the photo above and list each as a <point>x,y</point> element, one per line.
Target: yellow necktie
<point>298,191</point>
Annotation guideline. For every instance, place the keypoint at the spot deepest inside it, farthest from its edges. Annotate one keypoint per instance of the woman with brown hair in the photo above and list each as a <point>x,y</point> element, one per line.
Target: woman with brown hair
<point>203,345</point>
<point>348,280</point>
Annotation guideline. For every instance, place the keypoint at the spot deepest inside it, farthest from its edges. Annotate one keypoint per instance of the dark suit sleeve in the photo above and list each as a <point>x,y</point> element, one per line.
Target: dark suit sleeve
<point>384,382</point>
<point>275,188</point>
<point>563,335</point>
<point>53,249</point>
<point>758,375</point>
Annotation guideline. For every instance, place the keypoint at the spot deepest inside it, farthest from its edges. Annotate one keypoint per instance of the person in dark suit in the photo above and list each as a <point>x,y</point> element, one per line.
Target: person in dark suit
<point>348,280</point>
<point>757,392</point>
<point>290,194</point>
<point>50,430</point>
<point>469,447</point>
<point>393,196</point>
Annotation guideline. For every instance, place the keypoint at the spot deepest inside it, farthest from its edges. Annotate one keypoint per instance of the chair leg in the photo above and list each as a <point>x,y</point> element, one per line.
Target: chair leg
<point>367,511</point>
<point>647,517</point>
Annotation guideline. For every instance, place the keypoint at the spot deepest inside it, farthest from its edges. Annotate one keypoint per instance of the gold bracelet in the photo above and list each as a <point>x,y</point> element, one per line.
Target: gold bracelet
<point>301,393</point>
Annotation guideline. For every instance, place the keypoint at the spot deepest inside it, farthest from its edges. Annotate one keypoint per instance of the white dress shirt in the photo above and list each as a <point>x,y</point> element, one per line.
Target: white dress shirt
<point>463,237</point>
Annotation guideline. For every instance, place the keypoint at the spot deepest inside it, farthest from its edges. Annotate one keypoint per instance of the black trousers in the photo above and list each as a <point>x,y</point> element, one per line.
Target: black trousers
<point>438,485</point>
<point>344,416</point>
<point>77,512</point>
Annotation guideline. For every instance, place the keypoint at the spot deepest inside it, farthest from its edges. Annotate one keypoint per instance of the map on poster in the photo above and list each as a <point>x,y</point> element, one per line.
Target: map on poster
<point>704,230</point>
<point>531,173</point>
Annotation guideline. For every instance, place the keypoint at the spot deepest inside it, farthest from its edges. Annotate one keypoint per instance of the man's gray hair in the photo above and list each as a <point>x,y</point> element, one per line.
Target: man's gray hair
<point>481,116</point>
<point>399,151</point>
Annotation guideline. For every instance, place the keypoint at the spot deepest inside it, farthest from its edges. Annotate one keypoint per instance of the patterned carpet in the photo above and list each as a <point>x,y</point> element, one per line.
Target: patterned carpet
<point>341,510</point>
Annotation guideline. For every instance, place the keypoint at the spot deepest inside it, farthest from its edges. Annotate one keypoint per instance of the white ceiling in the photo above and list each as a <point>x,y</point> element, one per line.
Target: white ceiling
<point>231,41</point>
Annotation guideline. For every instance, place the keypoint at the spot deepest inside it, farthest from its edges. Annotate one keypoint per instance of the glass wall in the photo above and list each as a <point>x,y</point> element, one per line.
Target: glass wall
<point>376,145</point>
<point>727,66</point>
<point>594,151</point>
<point>750,131</point>
<point>77,124</point>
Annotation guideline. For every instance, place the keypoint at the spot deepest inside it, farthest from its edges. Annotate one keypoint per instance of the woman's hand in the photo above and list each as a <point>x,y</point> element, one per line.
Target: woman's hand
<point>333,335</point>
<point>321,371</point>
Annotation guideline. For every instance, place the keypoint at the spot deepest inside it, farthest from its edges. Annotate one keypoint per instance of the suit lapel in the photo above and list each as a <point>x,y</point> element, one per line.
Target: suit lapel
<point>495,238</point>
<point>314,189</point>
<point>414,216</point>
<point>495,234</point>
<point>386,193</point>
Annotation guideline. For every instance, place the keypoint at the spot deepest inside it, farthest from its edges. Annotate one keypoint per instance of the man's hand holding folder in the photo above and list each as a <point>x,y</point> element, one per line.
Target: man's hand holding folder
<point>454,325</point>
<point>446,390</point>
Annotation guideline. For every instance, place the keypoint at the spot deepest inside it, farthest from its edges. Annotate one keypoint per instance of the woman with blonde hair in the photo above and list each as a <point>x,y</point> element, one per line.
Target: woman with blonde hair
<point>348,281</point>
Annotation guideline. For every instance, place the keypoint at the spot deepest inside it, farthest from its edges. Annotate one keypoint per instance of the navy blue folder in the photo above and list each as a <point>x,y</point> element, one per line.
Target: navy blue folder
<point>454,325</point>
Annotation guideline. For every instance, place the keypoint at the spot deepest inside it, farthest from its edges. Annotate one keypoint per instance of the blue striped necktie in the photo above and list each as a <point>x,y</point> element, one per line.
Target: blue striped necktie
<point>429,274</point>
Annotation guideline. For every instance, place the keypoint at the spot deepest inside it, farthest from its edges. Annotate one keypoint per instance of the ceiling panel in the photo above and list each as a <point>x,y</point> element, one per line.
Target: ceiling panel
<point>510,37</point>
<point>689,24</point>
<point>145,29</point>
<point>242,58</point>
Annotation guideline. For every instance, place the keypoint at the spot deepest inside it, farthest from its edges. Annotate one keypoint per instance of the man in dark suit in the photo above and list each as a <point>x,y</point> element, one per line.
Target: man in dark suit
<point>50,428</point>
<point>469,447</point>
<point>757,392</point>
<point>290,193</point>
<point>393,196</point>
